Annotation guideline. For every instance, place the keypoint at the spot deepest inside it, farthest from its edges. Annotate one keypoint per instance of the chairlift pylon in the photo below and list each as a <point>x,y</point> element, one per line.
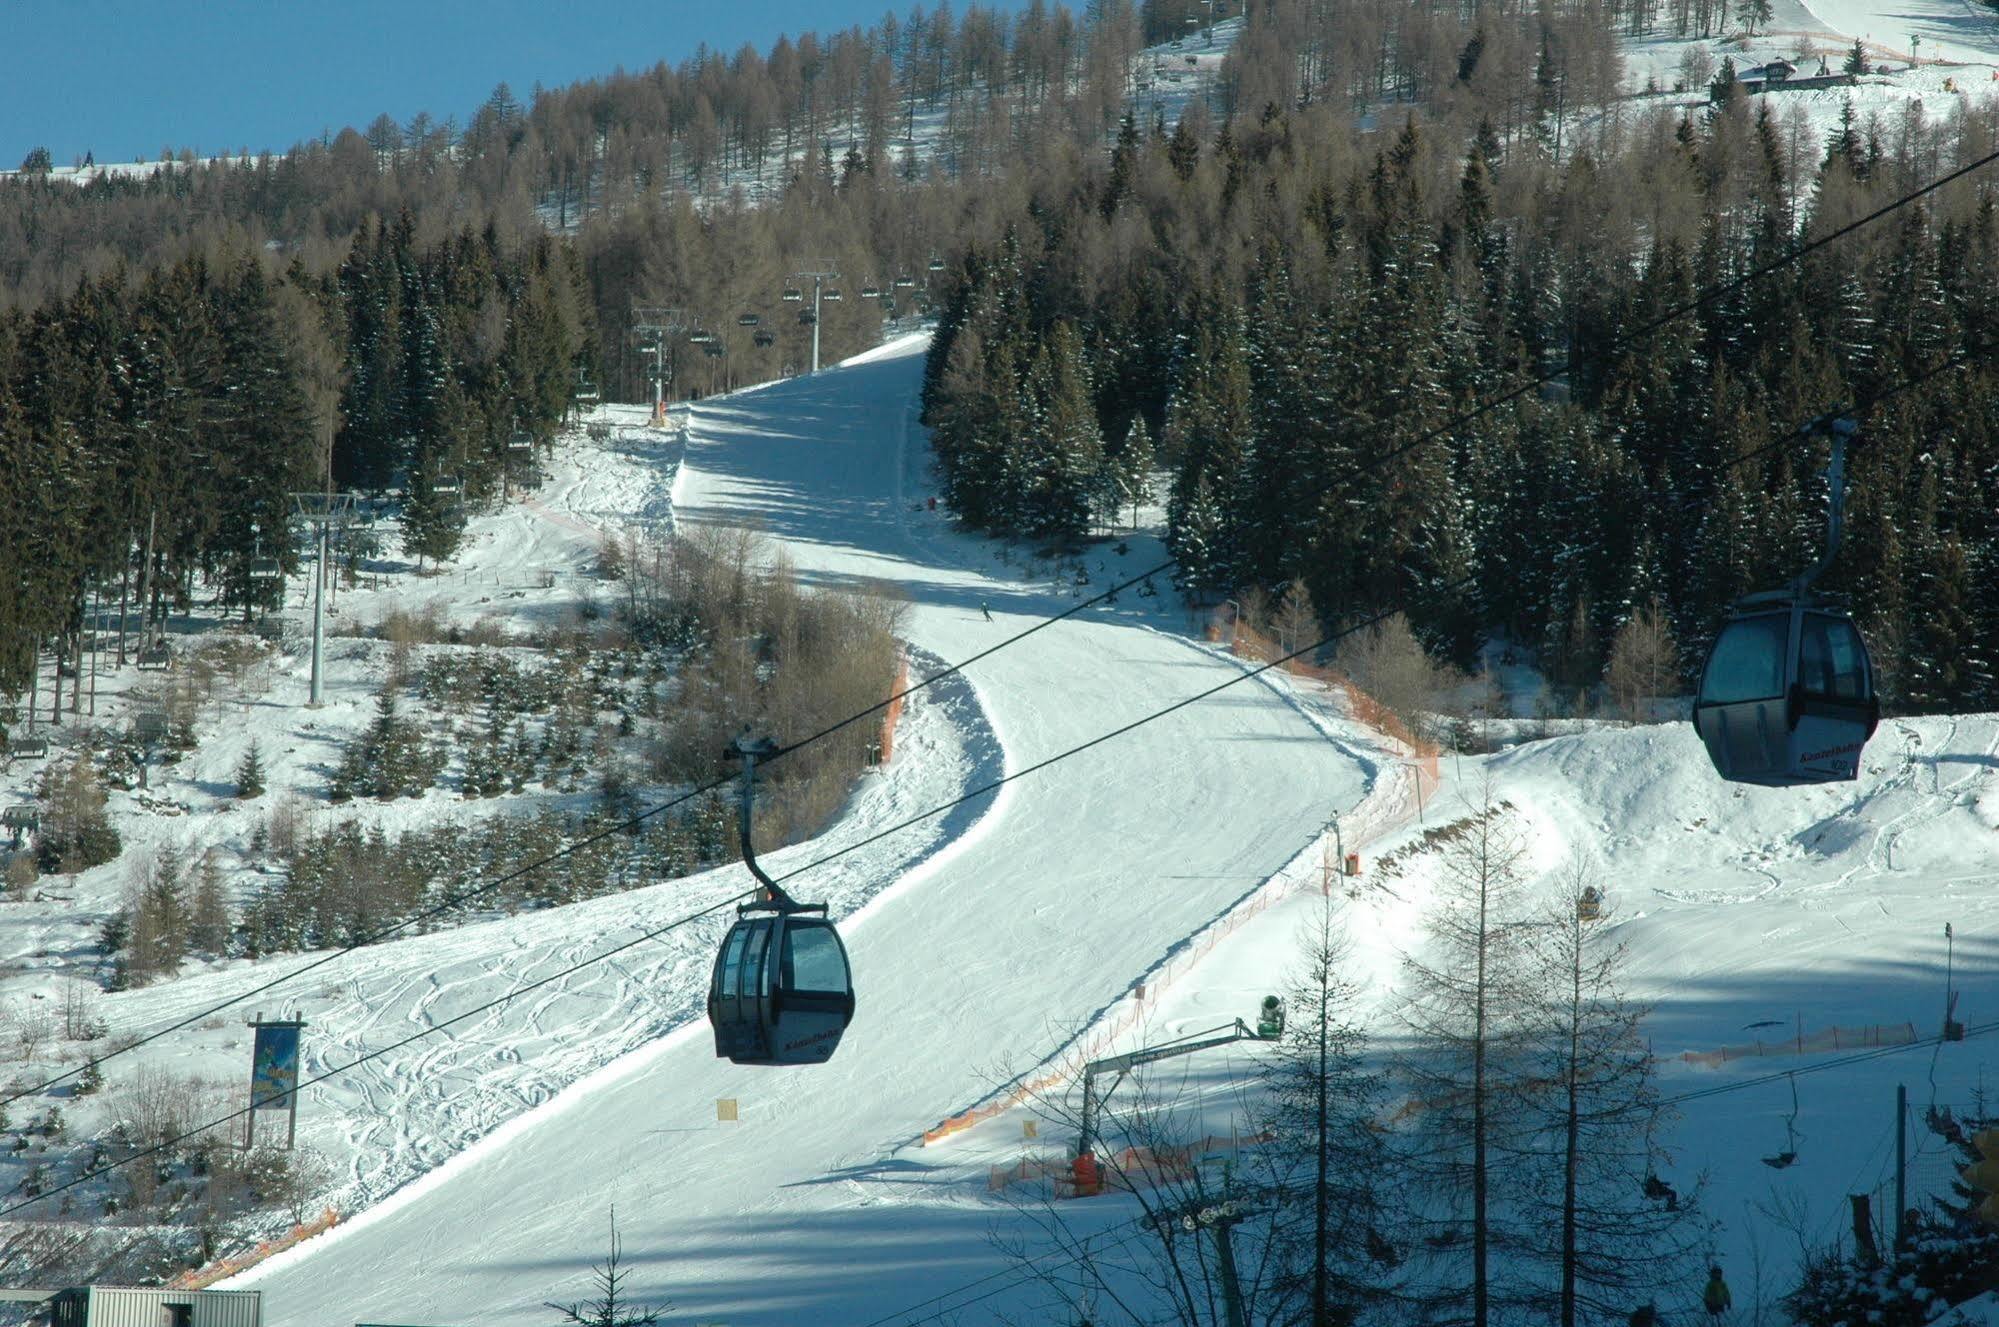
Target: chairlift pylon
<point>1787,693</point>
<point>782,990</point>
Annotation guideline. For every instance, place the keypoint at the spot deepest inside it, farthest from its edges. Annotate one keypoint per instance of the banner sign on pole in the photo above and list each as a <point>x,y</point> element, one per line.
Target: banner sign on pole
<point>273,1074</point>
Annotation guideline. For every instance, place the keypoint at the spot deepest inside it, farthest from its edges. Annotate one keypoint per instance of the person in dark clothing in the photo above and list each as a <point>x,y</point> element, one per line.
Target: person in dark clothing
<point>986,609</point>
<point>1716,1298</point>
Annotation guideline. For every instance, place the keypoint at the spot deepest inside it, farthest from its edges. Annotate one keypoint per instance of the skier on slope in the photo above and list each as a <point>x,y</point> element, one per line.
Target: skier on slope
<point>1716,1297</point>
<point>986,608</point>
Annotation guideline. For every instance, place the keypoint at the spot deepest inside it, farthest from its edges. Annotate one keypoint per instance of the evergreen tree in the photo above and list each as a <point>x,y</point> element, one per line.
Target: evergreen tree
<point>1469,994</point>
<point>76,832</point>
<point>250,773</point>
<point>1327,1177</point>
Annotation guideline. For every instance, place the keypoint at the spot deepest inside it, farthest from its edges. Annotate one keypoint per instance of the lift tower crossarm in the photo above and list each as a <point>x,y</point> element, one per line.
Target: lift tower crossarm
<point>1120,1064</point>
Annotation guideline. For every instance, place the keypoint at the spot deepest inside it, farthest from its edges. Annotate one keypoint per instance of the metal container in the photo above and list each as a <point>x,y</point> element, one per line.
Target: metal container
<point>153,1306</point>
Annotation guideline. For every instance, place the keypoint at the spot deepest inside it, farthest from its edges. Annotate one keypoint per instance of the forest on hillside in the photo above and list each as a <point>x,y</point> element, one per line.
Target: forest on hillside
<point>1378,216</point>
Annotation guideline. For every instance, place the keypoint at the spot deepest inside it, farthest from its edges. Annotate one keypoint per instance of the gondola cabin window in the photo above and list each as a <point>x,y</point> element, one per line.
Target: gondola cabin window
<point>1748,660</point>
<point>1831,659</point>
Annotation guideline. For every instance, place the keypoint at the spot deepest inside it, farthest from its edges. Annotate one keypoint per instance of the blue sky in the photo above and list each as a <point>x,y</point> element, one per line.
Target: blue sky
<point>121,78</point>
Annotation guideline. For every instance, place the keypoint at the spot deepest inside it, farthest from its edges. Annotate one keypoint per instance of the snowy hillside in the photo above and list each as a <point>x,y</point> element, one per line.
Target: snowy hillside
<point>1024,932</point>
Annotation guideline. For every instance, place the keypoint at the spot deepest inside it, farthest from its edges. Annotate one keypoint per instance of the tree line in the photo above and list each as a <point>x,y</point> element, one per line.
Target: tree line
<point>154,424</point>
<point>1290,313</point>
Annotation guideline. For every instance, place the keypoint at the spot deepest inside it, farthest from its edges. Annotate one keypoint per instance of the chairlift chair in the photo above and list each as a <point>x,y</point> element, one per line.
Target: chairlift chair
<point>793,294</point>
<point>871,292</point>
<point>448,486</point>
<point>1589,904</point>
<point>713,351</point>
<point>905,283</point>
<point>748,320</point>
<point>520,444</point>
<point>156,656</point>
<point>806,317</point>
<point>701,336</point>
<point>1784,1159</point>
<point>782,990</point>
<point>1787,693</point>
<point>936,264</point>
<point>27,748</point>
<point>266,569</point>
<point>831,295</point>
<point>586,390</point>
<point>765,338</point>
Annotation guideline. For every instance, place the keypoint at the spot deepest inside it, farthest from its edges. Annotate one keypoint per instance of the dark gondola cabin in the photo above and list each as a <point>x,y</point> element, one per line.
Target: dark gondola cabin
<point>782,992</point>
<point>1787,696</point>
<point>1787,693</point>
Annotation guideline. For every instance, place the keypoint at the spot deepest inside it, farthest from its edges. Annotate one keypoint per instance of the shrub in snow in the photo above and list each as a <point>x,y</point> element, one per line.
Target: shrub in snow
<point>1940,1265</point>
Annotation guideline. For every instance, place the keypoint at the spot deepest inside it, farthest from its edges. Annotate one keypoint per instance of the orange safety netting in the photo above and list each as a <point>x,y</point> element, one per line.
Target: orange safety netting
<point>1247,642</point>
<point>893,714</point>
<point>1812,1043</point>
<point>202,1277</point>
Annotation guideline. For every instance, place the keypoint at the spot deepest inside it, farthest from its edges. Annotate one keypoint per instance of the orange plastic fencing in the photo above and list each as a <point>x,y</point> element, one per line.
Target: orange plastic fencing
<point>1247,642</point>
<point>1387,808</point>
<point>893,714</point>
<point>1812,1043</point>
<point>223,1268</point>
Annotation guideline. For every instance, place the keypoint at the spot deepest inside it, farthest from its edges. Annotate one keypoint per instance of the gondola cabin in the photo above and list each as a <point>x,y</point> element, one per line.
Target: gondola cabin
<point>782,991</point>
<point>1787,695</point>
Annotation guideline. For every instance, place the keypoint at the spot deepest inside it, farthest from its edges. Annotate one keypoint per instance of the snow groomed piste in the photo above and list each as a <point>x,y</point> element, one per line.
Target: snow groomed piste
<point>971,968</point>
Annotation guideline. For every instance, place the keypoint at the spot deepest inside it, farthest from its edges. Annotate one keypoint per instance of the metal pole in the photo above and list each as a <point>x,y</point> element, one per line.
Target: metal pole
<point>318,618</point>
<point>1901,1158</point>
<point>817,282</point>
<point>1231,1282</point>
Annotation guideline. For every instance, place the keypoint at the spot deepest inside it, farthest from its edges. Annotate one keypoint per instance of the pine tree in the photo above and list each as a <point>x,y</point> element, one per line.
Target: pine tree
<point>1467,1000</point>
<point>76,832</point>
<point>1583,1155</point>
<point>1326,1154</point>
<point>250,773</point>
<point>208,926</point>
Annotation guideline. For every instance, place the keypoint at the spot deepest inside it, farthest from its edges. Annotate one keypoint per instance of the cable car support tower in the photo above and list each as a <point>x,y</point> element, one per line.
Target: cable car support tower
<point>652,324</point>
<point>820,274</point>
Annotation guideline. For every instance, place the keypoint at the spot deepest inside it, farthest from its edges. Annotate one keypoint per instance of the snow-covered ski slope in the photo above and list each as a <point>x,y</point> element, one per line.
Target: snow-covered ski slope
<point>984,959</point>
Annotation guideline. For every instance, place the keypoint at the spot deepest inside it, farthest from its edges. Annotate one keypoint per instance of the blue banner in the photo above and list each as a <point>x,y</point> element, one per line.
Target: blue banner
<point>274,1067</point>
